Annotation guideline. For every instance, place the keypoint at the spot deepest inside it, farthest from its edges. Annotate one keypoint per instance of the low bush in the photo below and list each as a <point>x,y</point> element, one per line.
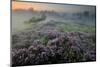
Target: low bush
<point>57,48</point>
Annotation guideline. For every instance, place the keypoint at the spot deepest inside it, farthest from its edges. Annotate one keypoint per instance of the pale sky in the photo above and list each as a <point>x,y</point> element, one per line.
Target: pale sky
<point>55,7</point>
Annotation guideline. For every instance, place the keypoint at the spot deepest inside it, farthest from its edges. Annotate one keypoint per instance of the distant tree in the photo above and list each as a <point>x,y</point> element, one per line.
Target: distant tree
<point>31,9</point>
<point>86,13</point>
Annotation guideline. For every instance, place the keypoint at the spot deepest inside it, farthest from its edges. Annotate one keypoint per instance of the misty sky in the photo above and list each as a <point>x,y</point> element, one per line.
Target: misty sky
<point>55,7</point>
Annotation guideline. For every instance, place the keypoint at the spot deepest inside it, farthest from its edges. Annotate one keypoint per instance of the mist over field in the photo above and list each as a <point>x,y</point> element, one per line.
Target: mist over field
<point>58,34</point>
<point>75,20</point>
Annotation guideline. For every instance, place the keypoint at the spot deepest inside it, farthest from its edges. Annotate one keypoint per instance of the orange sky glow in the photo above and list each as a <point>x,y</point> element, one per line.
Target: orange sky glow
<point>25,6</point>
<point>35,6</point>
<point>17,5</point>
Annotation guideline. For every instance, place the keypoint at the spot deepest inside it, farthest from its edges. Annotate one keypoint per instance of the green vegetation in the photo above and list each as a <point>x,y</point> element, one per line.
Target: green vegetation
<point>35,19</point>
<point>72,26</point>
<point>75,27</point>
<point>44,40</point>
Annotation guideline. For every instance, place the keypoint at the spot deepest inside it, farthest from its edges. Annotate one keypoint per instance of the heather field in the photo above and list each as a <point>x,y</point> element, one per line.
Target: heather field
<point>50,37</point>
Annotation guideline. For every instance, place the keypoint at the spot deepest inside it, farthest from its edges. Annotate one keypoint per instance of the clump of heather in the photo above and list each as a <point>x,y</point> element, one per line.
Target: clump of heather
<point>53,47</point>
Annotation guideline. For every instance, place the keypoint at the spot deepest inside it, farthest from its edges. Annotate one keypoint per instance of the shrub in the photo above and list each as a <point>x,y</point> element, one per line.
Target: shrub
<point>63,48</point>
